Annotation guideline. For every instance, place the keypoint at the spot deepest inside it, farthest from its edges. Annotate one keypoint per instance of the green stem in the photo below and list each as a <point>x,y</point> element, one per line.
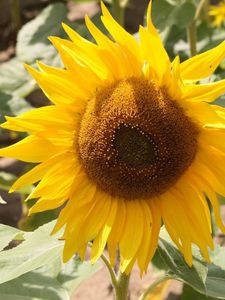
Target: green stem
<point>192,38</point>
<point>15,14</point>
<point>191,30</point>
<point>199,9</point>
<point>119,283</point>
<point>121,289</point>
<point>118,11</point>
<point>152,287</point>
<point>111,271</point>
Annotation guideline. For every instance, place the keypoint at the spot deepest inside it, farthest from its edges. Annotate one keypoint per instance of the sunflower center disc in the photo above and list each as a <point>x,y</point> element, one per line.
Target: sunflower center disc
<point>134,141</point>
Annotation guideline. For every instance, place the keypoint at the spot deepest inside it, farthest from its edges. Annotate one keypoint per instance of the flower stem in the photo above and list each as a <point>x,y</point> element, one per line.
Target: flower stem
<point>191,29</point>
<point>121,290</point>
<point>153,286</point>
<point>118,11</point>
<point>120,283</point>
<point>200,7</point>
<point>192,38</point>
<point>110,269</point>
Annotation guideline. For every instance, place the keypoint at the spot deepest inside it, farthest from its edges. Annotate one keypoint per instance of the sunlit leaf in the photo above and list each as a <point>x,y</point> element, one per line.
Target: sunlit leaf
<point>7,234</point>
<point>38,249</point>
<point>74,272</point>
<point>33,286</point>
<point>208,279</point>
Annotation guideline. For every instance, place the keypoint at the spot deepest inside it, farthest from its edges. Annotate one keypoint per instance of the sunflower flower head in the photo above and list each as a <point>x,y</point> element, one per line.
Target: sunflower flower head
<point>131,140</point>
<point>218,13</point>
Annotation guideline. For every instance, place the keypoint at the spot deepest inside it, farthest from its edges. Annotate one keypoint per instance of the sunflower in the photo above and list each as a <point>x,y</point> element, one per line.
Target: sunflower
<point>131,140</point>
<point>218,13</point>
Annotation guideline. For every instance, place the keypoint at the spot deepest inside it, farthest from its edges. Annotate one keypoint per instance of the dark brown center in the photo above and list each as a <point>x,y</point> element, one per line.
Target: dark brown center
<point>134,148</point>
<point>134,141</point>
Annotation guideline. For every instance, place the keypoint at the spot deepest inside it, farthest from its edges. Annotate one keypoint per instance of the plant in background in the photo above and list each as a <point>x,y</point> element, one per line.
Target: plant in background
<point>131,141</point>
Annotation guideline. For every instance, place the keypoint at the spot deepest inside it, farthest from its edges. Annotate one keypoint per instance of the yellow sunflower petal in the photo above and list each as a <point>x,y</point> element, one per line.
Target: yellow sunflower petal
<point>116,55</point>
<point>97,217</point>
<point>204,92</point>
<point>177,224</point>
<point>132,235</point>
<point>121,36</point>
<point>59,89</point>
<point>143,251</point>
<point>117,231</point>
<point>24,150</point>
<point>204,114</point>
<point>150,41</point>
<point>204,64</point>
<point>156,225</point>
<point>101,240</point>
<point>56,181</point>
<point>44,118</point>
<point>38,171</point>
<point>214,137</point>
<point>46,204</point>
<point>84,54</point>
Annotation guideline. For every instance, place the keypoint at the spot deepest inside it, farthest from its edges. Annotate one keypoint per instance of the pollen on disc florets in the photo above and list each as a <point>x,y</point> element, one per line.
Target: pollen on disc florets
<point>134,141</point>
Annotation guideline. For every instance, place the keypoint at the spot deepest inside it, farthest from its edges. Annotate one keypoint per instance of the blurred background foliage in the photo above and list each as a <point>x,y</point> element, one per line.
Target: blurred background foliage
<point>24,29</point>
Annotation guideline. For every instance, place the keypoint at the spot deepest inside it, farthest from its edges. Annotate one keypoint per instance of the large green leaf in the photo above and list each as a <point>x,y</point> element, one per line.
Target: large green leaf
<point>33,286</point>
<point>7,234</point>
<point>32,41</point>
<point>38,249</point>
<point>182,15</point>
<point>165,14</point>
<point>161,11</point>
<point>55,281</point>
<point>11,105</point>
<point>15,84</point>
<point>208,279</point>
<point>74,272</point>
<point>34,270</point>
<point>14,79</point>
<point>189,293</point>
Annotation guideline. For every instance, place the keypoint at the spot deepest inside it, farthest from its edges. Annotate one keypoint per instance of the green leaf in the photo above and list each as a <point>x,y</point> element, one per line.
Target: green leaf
<point>32,41</point>
<point>208,279</point>
<point>7,234</point>
<point>14,79</point>
<point>38,249</point>
<point>15,83</point>
<point>55,281</point>
<point>161,11</point>
<point>189,293</point>
<point>33,286</point>
<point>182,15</point>
<point>165,14</point>
<point>74,272</point>
<point>11,105</point>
